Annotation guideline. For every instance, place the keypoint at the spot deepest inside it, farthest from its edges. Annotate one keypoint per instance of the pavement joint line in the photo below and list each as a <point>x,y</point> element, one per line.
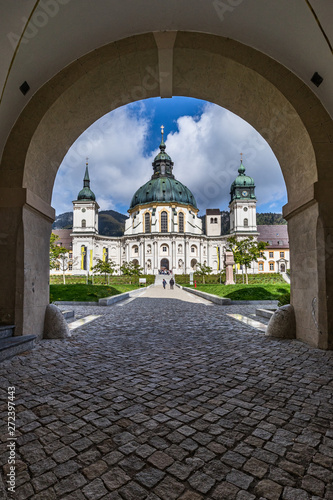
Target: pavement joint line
<point>249,321</point>
<point>82,321</point>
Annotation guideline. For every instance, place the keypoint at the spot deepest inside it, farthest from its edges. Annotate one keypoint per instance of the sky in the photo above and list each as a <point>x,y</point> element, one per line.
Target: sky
<point>203,140</point>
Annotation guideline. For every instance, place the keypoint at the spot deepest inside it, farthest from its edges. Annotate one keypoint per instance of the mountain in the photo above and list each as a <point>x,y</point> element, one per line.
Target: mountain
<point>110,222</point>
<point>270,219</point>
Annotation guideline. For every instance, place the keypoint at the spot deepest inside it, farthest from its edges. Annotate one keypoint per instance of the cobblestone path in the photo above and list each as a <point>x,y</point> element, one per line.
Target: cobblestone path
<point>166,399</point>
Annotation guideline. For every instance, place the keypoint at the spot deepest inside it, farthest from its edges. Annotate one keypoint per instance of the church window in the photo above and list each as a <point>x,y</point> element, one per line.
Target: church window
<point>181,222</point>
<point>246,222</point>
<point>193,249</point>
<point>282,255</point>
<point>147,222</point>
<point>271,255</point>
<point>261,266</point>
<point>164,222</point>
<point>84,223</point>
<point>215,220</point>
<point>164,248</point>
<point>271,266</point>
<point>211,220</point>
<point>136,249</point>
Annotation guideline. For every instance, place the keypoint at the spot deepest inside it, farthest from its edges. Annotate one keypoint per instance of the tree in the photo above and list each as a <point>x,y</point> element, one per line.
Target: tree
<point>131,269</point>
<point>105,267</point>
<point>246,251</point>
<point>203,270</point>
<point>59,256</point>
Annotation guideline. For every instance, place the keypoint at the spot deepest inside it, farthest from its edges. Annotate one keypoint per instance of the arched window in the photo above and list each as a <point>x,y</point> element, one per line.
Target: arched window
<point>83,223</point>
<point>147,222</point>
<point>211,220</point>
<point>164,222</point>
<point>246,222</point>
<point>181,222</point>
<point>215,220</point>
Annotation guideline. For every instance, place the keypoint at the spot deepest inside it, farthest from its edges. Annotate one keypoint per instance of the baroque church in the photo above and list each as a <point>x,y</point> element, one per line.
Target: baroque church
<point>164,232</point>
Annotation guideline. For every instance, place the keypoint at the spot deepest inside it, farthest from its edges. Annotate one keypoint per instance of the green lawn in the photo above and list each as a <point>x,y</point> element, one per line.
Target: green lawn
<point>86,293</point>
<point>247,292</point>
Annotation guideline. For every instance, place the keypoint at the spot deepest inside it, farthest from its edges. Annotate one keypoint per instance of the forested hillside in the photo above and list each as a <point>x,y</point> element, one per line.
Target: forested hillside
<point>112,223</point>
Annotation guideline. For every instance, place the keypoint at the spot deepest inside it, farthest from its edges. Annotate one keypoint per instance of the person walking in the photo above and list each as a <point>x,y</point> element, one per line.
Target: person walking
<point>164,283</point>
<point>171,282</point>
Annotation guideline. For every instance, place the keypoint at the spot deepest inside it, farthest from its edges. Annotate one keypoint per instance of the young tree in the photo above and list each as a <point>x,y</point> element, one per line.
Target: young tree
<point>59,256</point>
<point>105,267</point>
<point>203,270</point>
<point>131,269</point>
<point>246,251</point>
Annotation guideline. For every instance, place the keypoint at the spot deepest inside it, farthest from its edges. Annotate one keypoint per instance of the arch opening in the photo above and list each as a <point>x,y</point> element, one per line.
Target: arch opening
<point>266,95</point>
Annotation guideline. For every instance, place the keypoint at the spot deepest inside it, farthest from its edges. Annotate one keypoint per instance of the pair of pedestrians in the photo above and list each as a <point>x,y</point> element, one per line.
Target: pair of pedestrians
<point>171,283</point>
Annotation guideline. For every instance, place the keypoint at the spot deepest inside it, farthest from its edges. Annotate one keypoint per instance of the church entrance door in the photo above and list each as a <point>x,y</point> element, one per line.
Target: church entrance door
<point>165,264</point>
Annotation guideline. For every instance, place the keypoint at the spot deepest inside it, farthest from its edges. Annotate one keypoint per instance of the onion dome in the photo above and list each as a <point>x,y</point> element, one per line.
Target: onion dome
<point>243,186</point>
<point>86,194</point>
<point>163,187</point>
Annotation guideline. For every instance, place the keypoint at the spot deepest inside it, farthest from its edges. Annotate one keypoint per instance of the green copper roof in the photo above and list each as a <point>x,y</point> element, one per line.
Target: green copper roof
<point>163,189</point>
<point>242,180</point>
<point>86,194</point>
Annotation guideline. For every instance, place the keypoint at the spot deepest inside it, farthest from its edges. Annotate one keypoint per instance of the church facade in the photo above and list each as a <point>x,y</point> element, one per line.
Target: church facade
<point>163,231</point>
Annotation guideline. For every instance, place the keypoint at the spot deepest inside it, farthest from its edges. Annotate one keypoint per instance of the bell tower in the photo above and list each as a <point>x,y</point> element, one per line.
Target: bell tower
<point>243,214</point>
<point>85,209</point>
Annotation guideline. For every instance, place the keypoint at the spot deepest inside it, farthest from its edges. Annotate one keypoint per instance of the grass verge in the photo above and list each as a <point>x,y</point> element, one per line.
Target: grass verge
<point>86,293</point>
<point>247,292</point>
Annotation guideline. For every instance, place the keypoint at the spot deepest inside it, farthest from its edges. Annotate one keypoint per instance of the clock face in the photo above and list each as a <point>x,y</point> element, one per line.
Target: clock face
<point>244,193</point>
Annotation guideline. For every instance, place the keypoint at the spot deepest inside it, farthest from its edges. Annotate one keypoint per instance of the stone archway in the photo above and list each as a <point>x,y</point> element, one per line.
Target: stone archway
<point>216,69</point>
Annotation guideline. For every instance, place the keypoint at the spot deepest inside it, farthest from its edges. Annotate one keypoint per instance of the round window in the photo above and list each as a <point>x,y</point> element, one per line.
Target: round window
<point>83,209</point>
<point>245,209</point>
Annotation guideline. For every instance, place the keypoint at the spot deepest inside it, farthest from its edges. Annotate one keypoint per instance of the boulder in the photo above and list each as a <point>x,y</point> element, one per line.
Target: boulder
<point>55,326</point>
<point>283,323</point>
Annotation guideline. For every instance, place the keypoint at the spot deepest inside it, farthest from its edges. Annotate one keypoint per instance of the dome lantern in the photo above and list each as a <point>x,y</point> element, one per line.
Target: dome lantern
<point>163,187</point>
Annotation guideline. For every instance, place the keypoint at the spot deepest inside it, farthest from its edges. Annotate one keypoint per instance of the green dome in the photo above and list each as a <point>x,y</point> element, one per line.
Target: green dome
<point>243,186</point>
<point>242,180</point>
<point>86,194</point>
<point>163,189</point>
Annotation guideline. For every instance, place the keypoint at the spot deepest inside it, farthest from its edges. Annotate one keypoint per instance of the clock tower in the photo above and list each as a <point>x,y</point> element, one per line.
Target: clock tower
<point>243,204</point>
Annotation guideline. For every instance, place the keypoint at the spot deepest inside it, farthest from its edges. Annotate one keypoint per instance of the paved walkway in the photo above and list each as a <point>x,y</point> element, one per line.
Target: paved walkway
<point>169,399</point>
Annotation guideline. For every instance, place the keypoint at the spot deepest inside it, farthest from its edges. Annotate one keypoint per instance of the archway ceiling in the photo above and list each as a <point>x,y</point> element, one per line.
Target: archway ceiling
<point>286,31</point>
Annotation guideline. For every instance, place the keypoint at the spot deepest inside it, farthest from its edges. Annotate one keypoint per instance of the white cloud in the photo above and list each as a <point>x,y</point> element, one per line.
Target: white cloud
<point>205,151</point>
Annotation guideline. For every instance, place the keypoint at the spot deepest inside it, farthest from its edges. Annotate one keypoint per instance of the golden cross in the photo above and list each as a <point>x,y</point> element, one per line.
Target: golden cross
<point>162,130</point>
<point>87,160</point>
<point>241,155</point>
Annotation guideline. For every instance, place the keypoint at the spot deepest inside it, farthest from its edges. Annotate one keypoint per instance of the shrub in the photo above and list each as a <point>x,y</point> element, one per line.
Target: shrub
<point>284,299</point>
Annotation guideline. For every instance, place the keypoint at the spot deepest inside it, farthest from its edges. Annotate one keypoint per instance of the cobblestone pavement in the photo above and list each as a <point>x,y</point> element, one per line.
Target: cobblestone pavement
<point>168,399</point>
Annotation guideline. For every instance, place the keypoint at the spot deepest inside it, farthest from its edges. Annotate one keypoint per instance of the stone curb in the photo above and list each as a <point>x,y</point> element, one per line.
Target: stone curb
<point>221,301</point>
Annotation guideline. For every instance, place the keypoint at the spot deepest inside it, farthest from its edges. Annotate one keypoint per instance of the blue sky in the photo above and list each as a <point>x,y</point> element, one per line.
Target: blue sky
<point>203,140</point>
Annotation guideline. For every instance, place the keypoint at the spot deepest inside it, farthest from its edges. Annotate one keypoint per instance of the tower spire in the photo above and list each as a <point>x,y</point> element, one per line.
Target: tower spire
<point>86,179</point>
<point>162,145</point>
<point>241,169</point>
